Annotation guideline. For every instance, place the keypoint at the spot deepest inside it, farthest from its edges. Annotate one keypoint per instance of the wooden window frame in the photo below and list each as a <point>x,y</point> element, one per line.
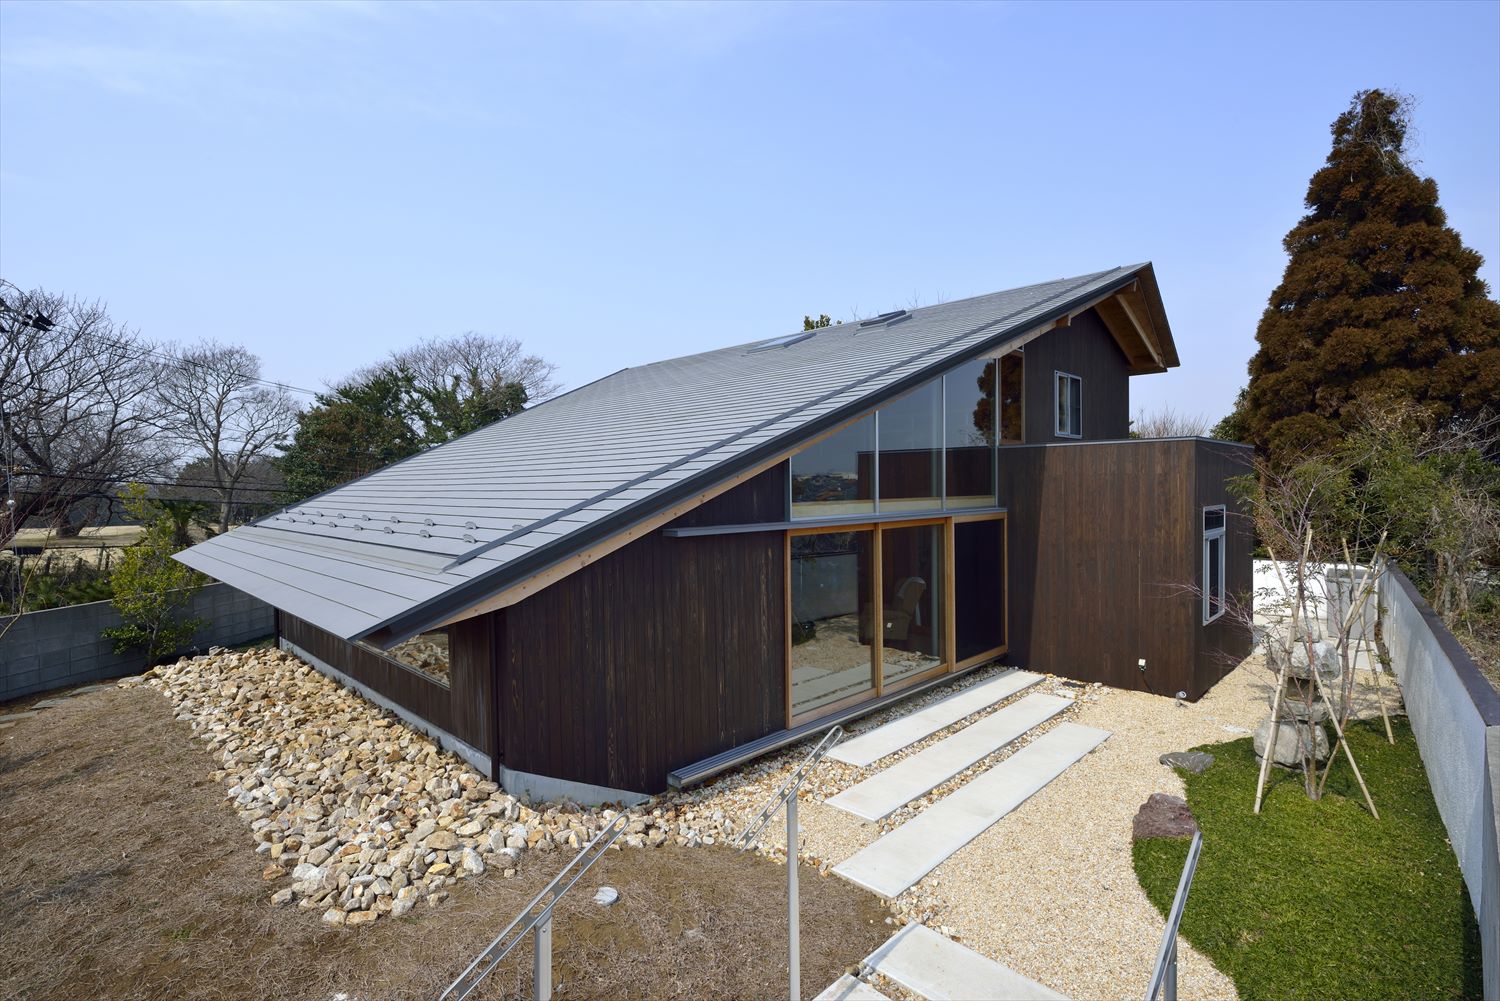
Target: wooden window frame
<point>877,604</point>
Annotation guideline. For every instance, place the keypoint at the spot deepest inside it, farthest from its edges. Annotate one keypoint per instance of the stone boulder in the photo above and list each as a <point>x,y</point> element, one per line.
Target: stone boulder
<point>1291,739</point>
<point>1163,816</point>
<point>1196,762</point>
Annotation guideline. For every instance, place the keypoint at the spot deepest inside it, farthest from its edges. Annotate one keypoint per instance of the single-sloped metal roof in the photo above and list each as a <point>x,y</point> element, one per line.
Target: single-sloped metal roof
<point>401,549</point>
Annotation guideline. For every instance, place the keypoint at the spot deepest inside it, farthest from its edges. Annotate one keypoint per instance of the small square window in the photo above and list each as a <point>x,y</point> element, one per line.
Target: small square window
<point>1069,393</point>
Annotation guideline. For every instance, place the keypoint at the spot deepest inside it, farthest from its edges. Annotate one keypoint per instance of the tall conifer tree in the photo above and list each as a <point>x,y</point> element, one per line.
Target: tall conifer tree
<point>1381,301</point>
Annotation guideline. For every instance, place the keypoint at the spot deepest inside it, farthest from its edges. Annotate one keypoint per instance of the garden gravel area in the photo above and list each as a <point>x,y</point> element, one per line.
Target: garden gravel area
<point>358,817</point>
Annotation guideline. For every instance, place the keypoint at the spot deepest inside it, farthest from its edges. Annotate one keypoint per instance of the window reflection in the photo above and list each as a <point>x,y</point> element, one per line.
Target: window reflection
<point>911,578</point>
<point>836,476</point>
<point>911,449</point>
<point>969,426</point>
<point>832,596</point>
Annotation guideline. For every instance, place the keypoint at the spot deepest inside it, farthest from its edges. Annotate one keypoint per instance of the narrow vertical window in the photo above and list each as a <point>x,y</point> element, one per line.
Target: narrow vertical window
<point>1069,394</point>
<point>1213,563</point>
<point>1012,398</point>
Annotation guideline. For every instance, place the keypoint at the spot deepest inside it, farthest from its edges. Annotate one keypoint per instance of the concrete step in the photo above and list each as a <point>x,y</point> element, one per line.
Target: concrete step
<point>870,747</point>
<point>885,792</point>
<point>847,988</point>
<point>938,968</point>
<point>892,864</point>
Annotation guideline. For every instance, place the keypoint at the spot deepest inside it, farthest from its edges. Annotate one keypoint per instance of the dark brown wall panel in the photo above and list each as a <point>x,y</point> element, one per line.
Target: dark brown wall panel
<point>1226,641</point>
<point>1105,553</point>
<point>1085,349</point>
<point>760,498</point>
<point>660,654</point>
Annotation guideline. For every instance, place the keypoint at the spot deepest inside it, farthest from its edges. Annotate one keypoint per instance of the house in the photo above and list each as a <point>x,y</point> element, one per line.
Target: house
<point>654,576</point>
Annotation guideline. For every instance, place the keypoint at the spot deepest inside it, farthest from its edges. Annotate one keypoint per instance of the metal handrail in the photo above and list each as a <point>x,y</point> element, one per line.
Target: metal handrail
<point>784,791</point>
<point>541,921</point>
<point>787,793</point>
<point>1165,972</point>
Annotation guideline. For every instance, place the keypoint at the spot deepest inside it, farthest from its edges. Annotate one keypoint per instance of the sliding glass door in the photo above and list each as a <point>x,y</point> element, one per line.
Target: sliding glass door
<point>832,602</point>
<point>875,608</point>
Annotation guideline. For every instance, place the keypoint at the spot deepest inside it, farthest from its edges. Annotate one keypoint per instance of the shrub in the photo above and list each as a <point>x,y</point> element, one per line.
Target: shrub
<point>150,588</point>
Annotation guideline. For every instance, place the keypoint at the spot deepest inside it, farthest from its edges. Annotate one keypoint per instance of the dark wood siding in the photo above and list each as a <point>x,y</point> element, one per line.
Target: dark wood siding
<point>1224,642</point>
<point>1085,349</point>
<point>465,711</point>
<point>1105,553</point>
<point>660,654</point>
<point>760,498</point>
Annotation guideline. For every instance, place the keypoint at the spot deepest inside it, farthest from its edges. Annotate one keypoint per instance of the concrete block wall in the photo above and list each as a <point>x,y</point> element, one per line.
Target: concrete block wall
<point>1455,715</point>
<point>62,647</point>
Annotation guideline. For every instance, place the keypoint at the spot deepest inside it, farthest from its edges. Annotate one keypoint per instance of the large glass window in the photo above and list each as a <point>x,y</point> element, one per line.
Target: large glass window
<point>836,476</point>
<point>1213,562</point>
<point>832,605</point>
<point>1013,398</point>
<point>911,581</point>
<point>978,587</point>
<point>911,450</point>
<point>969,433</point>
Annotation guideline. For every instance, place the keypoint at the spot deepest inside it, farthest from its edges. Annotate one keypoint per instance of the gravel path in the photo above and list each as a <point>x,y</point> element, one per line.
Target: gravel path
<point>1050,891</point>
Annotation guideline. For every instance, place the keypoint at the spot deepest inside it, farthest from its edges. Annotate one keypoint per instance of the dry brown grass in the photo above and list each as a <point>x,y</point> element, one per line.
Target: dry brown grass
<point>124,874</point>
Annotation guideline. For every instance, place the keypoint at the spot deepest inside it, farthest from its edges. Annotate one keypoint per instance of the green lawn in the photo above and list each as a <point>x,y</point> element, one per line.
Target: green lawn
<point>1320,900</point>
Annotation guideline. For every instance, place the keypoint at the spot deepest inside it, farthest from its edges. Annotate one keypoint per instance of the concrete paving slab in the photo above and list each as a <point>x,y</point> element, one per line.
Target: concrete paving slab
<point>892,864</point>
<point>49,703</point>
<point>938,968</point>
<point>14,717</point>
<point>870,747</point>
<point>885,792</point>
<point>847,988</point>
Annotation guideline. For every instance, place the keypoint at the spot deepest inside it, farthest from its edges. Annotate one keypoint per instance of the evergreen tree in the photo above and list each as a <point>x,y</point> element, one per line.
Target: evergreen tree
<point>1381,302</point>
<point>355,429</point>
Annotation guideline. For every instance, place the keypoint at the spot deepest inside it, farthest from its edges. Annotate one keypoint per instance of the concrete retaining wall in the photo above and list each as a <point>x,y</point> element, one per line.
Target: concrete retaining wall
<point>1455,714</point>
<point>61,647</point>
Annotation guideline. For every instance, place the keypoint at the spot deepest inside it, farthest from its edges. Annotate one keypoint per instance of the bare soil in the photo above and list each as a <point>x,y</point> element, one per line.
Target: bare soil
<point>124,874</point>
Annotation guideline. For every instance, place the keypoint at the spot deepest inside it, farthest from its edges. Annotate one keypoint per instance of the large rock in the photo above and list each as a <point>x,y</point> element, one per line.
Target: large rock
<point>1301,653</point>
<point>1192,761</point>
<point>1292,739</point>
<point>1163,816</point>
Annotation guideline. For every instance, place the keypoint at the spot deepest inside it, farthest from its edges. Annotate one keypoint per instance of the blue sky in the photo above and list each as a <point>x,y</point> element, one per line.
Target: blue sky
<point>615,184</point>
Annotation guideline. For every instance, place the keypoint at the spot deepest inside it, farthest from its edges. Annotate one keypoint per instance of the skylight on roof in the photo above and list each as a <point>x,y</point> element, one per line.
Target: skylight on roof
<point>886,319</point>
<point>782,342</point>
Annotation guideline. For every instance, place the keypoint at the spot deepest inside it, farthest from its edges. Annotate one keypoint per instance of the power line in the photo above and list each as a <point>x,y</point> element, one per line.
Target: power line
<point>79,477</point>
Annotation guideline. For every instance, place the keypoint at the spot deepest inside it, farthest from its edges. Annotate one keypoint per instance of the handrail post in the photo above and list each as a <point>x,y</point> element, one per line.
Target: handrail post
<point>793,907</point>
<point>541,960</point>
<point>1164,975</point>
<point>786,796</point>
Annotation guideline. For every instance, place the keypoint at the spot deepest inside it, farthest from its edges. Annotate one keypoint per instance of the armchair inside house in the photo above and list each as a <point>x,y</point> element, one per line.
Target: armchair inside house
<point>902,611</point>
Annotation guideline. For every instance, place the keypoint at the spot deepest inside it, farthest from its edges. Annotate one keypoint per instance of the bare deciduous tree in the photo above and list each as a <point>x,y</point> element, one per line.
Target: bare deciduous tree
<point>78,417</point>
<point>480,363</point>
<point>217,407</point>
<point>1169,423</point>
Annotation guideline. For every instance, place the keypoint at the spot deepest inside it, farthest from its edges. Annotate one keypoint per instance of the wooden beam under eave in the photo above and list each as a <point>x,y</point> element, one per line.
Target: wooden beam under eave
<point>1133,301</point>
<point>1127,335</point>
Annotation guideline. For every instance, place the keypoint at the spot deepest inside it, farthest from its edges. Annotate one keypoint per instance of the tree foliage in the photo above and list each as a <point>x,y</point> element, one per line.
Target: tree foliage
<point>149,588</point>
<point>424,396</point>
<point>215,406</point>
<point>1380,301</point>
<point>77,412</point>
<point>352,430</point>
